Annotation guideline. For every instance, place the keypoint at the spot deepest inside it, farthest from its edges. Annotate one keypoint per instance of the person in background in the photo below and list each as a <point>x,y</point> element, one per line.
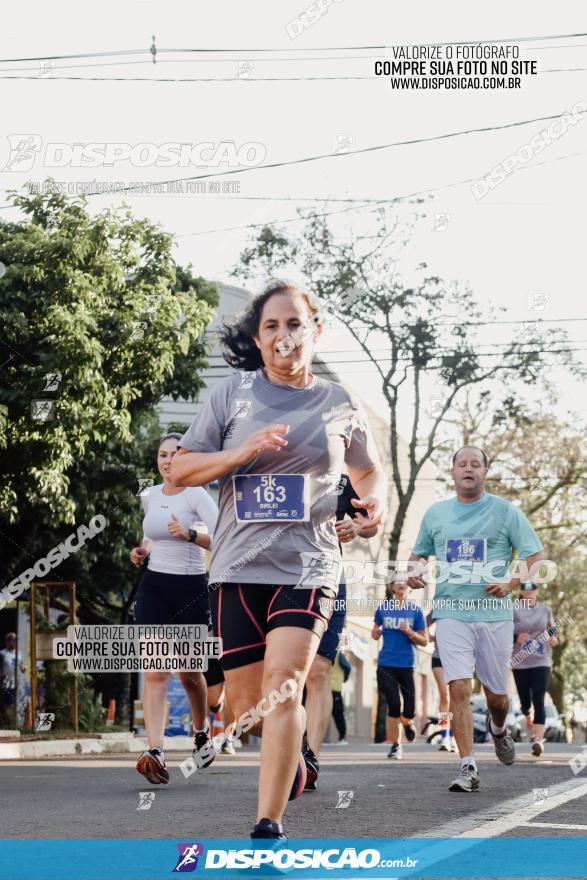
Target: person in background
<point>402,625</point>
<point>173,590</point>
<point>8,679</point>
<point>341,670</point>
<point>534,638</point>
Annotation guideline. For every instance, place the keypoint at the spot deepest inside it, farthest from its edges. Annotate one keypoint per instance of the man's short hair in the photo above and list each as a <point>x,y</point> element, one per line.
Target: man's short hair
<point>468,446</point>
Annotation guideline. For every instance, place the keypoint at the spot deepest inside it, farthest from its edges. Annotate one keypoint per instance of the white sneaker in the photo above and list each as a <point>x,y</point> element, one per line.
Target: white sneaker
<point>342,742</point>
<point>537,747</point>
<point>467,780</point>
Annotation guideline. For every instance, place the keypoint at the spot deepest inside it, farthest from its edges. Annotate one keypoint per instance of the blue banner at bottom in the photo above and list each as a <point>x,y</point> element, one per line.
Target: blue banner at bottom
<point>484,858</point>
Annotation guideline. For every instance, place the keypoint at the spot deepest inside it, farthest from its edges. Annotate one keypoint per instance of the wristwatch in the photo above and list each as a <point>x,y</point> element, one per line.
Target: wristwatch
<point>192,536</point>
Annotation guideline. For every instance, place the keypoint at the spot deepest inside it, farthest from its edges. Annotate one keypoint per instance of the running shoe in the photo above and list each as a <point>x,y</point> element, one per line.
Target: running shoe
<point>268,829</point>
<point>204,751</point>
<point>342,742</point>
<point>504,746</point>
<point>227,748</point>
<point>151,765</point>
<point>312,769</point>
<point>537,747</point>
<point>467,780</point>
<point>299,779</point>
<point>410,731</point>
<point>444,747</point>
<point>395,752</point>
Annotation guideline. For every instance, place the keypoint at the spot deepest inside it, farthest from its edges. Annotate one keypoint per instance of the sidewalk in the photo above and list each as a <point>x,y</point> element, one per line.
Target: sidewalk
<point>100,743</point>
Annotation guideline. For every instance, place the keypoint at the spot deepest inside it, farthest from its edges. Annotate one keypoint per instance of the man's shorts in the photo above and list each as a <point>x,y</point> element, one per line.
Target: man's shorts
<point>243,614</point>
<point>331,638</point>
<point>483,647</point>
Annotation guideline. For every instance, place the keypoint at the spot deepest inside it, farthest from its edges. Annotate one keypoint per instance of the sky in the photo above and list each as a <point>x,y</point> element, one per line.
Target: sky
<point>524,238</point>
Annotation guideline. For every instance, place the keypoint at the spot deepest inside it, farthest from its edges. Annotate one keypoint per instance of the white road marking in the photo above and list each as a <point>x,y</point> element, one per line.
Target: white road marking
<point>552,825</point>
<point>568,791</point>
<point>511,814</point>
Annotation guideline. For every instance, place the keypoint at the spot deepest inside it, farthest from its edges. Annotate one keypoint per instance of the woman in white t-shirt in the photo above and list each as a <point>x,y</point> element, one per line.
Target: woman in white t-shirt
<point>177,528</point>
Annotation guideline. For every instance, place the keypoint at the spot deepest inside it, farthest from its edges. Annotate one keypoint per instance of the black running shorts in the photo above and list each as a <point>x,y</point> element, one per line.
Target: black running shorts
<point>243,614</point>
<point>172,598</point>
<point>176,598</point>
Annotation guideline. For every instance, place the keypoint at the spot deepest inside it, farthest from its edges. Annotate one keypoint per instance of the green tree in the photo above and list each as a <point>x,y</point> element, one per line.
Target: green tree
<point>98,303</point>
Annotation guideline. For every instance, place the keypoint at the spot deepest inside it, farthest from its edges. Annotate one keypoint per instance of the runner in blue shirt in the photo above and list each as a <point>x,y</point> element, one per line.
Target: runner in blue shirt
<point>402,625</point>
<point>473,537</point>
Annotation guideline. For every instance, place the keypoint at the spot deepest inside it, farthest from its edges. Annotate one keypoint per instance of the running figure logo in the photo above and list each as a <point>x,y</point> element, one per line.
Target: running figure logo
<point>146,799</point>
<point>52,381</point>
<point>315,568</point>
<point>344,800</point>
<point>42,410</point>
<point>145,485</point>
<point>540,795</point>
<point>45,721</point>
<point>187,860</point>
<point>23,151</point>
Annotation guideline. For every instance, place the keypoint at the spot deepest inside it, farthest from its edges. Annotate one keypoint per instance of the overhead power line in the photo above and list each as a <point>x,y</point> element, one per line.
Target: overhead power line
<point>185,79</point>
<point>363,150</point>
<point>250,50</point>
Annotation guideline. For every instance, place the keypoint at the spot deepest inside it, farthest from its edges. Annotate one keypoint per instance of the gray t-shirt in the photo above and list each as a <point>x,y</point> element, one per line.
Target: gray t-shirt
<point>536,622</point>
<point>264,526</point>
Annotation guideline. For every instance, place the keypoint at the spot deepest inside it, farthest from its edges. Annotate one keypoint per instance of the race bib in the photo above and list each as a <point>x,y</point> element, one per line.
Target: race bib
<point>270,497</point>
<point>466,549</point>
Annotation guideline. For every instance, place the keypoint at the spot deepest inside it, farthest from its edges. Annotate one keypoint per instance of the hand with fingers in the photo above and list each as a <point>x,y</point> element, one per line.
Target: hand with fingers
<point>176,530</point>
<point>375,511</point>
<point>500,590</point>
<point>266,438</point>
<point>138,555</point>
<point>416,580</point>
<point>348,529</point>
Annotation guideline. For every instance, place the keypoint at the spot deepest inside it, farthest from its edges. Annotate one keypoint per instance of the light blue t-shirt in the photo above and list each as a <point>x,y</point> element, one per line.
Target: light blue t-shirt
<point>398,649</point>
<point>472,536</point>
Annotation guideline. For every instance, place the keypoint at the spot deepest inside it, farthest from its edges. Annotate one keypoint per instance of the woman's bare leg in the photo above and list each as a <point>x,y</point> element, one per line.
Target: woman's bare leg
<point>195,687</point>
<point>289,654</point>
<point>156,684</point>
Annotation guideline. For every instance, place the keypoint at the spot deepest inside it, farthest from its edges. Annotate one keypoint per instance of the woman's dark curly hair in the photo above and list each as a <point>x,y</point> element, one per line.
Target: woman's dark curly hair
<point>236,336</point>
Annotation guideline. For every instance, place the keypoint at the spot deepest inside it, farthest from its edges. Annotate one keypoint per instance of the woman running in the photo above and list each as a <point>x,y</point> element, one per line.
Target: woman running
<point>278,438</point>
<point>402,625</point>
<point>173,590</point>
<point>534,630</point>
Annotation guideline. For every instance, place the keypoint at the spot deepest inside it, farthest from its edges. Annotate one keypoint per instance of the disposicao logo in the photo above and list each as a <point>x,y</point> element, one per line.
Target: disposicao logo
<point>187,859</point>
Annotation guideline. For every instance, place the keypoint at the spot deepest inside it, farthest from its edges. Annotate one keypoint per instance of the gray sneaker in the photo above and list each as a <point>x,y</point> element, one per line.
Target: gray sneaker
<point>467,780</point>
<point>395,752</point>
<point>504,746</point>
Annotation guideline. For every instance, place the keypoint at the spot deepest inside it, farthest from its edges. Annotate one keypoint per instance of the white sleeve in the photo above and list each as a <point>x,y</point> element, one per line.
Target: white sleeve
<point>204,509</point>
<point>144,496</point>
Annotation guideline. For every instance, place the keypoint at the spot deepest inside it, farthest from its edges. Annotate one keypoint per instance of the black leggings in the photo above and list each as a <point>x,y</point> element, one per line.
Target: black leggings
<point>390,681</point>
<point>532,685</point>
<point>338,714</point>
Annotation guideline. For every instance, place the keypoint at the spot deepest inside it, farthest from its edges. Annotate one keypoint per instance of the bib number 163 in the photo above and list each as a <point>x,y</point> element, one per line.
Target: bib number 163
<point>269,490</point>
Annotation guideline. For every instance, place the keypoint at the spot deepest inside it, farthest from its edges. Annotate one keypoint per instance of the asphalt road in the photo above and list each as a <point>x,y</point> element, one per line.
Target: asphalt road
<point>98,798</point>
